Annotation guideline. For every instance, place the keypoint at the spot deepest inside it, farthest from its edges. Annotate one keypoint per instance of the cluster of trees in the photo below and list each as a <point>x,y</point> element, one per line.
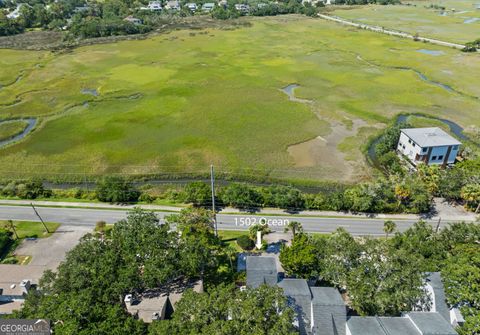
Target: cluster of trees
<point>28,189</point>
<point>93,20</point>
<point>6,241</point>
<point>366,2</point>
<point>472,46</point>
<point>227,310</point>
<point>268,9</point>
<point>386,276</point>
<point>85,295</point>
<point>389,195</point>
<point>395,193</point>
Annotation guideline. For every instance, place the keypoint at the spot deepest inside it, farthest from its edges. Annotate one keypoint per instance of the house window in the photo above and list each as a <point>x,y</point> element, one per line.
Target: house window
<point>404,146</point>
<point>455,147</point>
<point>424,149</point>
<point>413,144</point>
<point>434,158</point>
<point>410,141</point>
<point>440,157</point>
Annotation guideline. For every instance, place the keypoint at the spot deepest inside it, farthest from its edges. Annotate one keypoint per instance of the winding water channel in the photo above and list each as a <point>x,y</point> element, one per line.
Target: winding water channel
<point>31,124</point>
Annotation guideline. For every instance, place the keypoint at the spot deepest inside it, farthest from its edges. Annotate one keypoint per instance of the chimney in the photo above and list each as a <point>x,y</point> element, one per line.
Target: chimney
<point>25,285</point>
<point>128,300</point>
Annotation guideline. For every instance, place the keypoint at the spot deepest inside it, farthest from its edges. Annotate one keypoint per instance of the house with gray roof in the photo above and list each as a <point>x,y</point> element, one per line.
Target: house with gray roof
<point>322,311</point>
<point>261,270</point>
<point>329,313</point>
<point>413,323</point>
<point>299,298</point>
<point>436,292</point>
<point>431,146</point>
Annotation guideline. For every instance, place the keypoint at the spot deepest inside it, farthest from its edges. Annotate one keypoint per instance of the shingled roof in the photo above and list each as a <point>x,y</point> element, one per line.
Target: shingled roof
<point>300,299</point>
<point>329,311</point>
<point>439,303</point>
<point>261,270</point>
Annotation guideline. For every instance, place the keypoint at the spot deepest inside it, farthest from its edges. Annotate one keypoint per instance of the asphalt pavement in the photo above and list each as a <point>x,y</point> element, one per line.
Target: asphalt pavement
<point>88,217</point>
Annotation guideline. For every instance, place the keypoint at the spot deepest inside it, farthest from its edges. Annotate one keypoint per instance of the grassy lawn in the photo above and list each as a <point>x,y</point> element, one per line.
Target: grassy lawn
<point>24,229</point>
<point>230,237</point>
<point>29,228</point>
<point>176,103</point>
<point>454,24</point>
<point>11,128</point>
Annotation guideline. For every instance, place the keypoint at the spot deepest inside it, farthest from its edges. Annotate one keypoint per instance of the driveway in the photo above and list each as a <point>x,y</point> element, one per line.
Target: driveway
<point>50,251</point>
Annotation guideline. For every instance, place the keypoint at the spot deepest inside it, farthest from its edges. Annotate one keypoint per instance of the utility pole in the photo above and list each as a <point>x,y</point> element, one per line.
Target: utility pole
<point>212,185</point>
<point>438,225</point>
<point>13,228</point>
<point>36,213</point>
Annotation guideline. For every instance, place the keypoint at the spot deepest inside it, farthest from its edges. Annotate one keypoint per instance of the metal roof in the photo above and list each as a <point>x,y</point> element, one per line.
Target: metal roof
<point>430,137</point>
<point>430,323</point>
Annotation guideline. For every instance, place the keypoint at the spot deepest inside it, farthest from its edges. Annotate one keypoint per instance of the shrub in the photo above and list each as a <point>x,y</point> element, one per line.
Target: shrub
<point>31,189</point>
<point>198,193</point>
<point>116,189</point>
<point>245,242</point>
<point>100,226</point>
<point>5,241</point>
<point>240,196</point>
<point>145,197</point>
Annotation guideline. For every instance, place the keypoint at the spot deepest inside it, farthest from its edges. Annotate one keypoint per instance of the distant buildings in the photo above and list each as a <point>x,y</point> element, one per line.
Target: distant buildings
<point>153,6</point>
<point>15,14</point>
<point>192,6</point>
<point>431,146</point>
<point>208,7</point>
<point>172,5</point>
<point>322,311</point>
<point>133,20</point>
<point>243,8</point>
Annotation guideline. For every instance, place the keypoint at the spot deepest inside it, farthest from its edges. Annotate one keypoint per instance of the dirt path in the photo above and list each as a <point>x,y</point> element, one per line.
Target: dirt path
<point>391,32</point>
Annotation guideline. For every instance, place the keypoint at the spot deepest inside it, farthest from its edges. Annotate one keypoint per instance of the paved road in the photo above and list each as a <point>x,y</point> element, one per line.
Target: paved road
<point>88,218</point>
<point>391,32</point>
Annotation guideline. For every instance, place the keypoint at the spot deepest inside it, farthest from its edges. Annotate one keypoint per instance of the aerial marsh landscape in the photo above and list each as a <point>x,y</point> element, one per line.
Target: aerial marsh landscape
<point>456,21</point>
<point>176,102</point>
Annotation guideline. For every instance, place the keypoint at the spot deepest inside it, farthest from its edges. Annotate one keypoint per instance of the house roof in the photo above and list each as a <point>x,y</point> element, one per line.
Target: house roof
<point>430,137</point>
<point>261,270</point>
<point>415,323</point>
<point>299,297</point>
<point>369,325</point>
<point>326,296</point>
<point>11,276</point>
<point>435,281</point>
<point>398,326</point>
<point>430,323</point>
<point>146,306</point>
<point>329,311</point>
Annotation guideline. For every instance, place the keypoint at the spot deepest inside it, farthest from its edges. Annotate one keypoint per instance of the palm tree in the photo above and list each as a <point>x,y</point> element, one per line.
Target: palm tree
<point>389,227</point>
<point>295,227</point>
<point>231,253</point>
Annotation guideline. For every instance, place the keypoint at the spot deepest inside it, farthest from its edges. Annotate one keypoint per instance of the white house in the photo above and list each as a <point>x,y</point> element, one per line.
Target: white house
<point>431,146</point>
<point>243,8</point>
<point>133,20</point>
<point>192,6</point>
<point>172,5</point>
<point>153,6</point>
<point>207,7</point>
